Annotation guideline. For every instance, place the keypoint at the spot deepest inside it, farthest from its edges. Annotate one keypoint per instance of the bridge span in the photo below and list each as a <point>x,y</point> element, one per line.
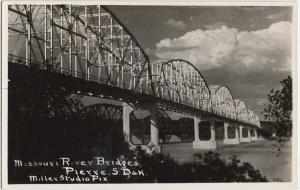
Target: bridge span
<point>88,50</point>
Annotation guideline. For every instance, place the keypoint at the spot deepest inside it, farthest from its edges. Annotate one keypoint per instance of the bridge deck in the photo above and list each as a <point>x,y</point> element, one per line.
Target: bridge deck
<point>22,73</point>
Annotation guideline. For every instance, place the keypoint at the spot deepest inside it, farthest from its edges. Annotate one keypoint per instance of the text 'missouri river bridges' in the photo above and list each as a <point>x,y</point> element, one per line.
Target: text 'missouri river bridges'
<point>88,50</point>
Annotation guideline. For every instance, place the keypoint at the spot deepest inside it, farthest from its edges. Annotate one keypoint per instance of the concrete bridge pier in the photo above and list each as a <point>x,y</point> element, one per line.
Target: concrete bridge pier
<point>127,109</point>
<point>154,129</point>
<point>249,134</point>
<point>254,138</point>
<point>153,145</point>
<point>213,130</point>
<point>255,134</point>
<point>204,144</point>
<point>240,132</point>
<point>228,140</point>
<point>226,125</point>
<point>237,133</point>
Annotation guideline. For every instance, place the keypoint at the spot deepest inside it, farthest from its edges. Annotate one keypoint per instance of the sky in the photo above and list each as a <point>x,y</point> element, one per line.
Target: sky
<point>246,48</point>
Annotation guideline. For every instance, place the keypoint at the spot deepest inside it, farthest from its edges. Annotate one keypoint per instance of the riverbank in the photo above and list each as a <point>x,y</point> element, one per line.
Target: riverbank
<point>259,154</point>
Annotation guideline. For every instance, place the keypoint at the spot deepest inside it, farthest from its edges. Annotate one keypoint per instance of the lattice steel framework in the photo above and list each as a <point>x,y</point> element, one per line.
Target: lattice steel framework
<point>103,111</point>
<point>256,121</point>
<point>88,42</point>
<point>242,111</point>
<point>223,102</point>
<point>180,81</point>
<point>91,43</point>
<point>252,117</point>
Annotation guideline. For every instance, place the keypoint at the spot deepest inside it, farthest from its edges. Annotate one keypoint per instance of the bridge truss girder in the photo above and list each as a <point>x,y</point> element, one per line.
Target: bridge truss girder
<point>87,42</point>
<point>179,81</point>
<point>242,111</point>
<point>223,102</point>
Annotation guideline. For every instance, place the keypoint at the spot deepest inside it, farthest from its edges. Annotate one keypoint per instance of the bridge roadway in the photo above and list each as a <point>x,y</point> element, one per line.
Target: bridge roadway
<point>88,50</point>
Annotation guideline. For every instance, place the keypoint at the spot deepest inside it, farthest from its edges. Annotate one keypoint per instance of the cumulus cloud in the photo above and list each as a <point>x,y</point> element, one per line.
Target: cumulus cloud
<point>208,49</point>
<point>175,24</point>
<point>216,47</point>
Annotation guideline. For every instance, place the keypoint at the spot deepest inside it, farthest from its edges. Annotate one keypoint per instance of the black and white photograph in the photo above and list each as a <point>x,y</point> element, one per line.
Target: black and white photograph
<point>108,93</point>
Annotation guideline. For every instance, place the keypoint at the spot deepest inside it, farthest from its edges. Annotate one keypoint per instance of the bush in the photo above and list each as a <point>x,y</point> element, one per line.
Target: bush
<point>208,167</point>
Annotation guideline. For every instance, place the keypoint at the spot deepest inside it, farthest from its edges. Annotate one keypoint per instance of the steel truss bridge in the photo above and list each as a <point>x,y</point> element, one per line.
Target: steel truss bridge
<point>89,50</point>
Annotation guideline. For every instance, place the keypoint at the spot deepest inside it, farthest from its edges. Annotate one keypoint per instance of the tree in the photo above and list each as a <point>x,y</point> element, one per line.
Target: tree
<point>46,122</point>
<point>207,167</point>
<point>279,107</point>
<point>31,100</point>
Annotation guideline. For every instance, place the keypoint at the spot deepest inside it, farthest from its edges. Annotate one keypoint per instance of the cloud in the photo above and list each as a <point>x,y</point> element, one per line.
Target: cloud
<point>215,25</point>
<point>219,46</point>
<point>205,48</point>
<point>175,24</point>
<point>265,49</point>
